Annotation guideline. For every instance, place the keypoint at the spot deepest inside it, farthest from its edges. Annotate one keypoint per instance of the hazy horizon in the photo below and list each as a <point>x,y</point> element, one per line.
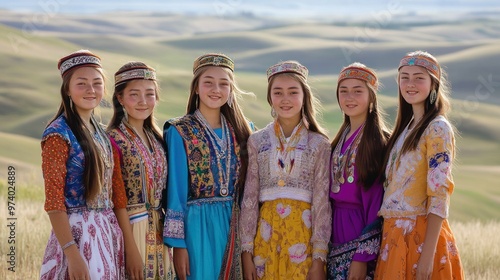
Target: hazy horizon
<point>313,9</point>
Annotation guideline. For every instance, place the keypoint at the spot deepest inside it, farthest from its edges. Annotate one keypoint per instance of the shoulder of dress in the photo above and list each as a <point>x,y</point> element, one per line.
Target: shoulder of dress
<point>439,125</point>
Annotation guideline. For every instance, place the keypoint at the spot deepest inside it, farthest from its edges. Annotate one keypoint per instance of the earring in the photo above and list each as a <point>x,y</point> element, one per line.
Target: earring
<point>371,108</point>
<point>230,100</point>
<point>125,114</point>
<point>273,113</point>
<point>70,103</point>
<point>433,96</point>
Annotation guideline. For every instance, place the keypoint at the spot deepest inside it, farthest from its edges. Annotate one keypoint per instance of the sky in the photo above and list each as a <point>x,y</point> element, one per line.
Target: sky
<point>277,8</point>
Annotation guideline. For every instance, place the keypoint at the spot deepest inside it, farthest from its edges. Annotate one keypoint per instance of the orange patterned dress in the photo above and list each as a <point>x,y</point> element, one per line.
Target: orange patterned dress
<point>418,183</point>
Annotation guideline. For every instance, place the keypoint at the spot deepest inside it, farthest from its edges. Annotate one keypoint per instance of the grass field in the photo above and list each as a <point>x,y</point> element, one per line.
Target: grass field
<point>478,241</point>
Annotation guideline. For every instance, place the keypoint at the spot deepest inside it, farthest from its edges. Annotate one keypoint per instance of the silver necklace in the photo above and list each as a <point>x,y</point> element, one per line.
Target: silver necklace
<point>222,148</point>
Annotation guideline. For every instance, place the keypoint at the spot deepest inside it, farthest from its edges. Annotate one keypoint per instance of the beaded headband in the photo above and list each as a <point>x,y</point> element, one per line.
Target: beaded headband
<point>81,58</point>
<point>213,59</point>
<point>287,67</point>
<point>136,73</point>
<point>419,59</point>
<point>360,73</point>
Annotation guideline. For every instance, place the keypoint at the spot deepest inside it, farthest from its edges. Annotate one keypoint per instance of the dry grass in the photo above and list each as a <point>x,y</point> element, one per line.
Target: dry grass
<point>478,242</point>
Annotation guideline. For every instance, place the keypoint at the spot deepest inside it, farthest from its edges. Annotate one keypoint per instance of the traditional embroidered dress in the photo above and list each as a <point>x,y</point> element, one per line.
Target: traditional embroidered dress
<point>355,226</point>
<point>142,174</point>
<point>285,214</point>
<point>93,223</point>
<point>201,215</point>
<point>418,183</point>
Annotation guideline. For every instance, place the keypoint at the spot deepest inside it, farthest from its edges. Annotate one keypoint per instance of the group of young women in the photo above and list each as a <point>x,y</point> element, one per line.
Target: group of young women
<point>212,197</point>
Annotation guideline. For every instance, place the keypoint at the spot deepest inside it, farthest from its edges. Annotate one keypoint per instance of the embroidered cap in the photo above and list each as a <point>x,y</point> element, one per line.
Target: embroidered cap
<point>359,71</point>
<point>81,58</point>
<point>135,73</point>
<point>423,59</point>
<point>289,66</point>
<point>213,59</point>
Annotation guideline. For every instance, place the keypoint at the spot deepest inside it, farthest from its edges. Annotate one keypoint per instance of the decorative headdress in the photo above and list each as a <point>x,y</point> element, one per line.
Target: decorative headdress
<point>359,71</point>
<point>287,67</point>
<point>423,59</point>
<point>213,59</point>
<point>81,58</point>
<point>135,73</point>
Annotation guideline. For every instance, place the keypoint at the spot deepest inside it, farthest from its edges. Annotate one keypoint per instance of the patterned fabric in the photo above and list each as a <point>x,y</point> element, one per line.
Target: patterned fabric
<point>99,240</point>
<point>341,256</point>
<point>197,216</point>
<point>307,182</point>
<point>200,163</point>
<point>402,241</point>
<point>282,254</point>
<point>93,223</point>
<point>418,183</point>
<point>144,178</point>
<point>355,226</point>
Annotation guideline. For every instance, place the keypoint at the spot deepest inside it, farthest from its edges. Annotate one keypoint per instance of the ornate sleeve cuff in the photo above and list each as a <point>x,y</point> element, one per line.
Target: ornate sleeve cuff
<point>247,247</point>
<point>320,251</point>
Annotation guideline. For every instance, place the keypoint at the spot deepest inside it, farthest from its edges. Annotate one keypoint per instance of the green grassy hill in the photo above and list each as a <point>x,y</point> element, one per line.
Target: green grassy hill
<point>470,51</point>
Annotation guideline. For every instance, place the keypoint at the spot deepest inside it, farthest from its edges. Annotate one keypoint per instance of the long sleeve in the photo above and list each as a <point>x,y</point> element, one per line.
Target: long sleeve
<point>55,154</point>
<point>250,205</point>
<point>177,190</point>
<point>119,194</point>
<point>439,154</point>
<point>321,209</point>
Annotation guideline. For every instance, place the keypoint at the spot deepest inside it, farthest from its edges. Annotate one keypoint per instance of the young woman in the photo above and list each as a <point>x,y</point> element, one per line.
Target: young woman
<point>141,172</point>
<point>77,162</point>
<point>285,215</point>
<point>356,164</point>
<point>207,164</point>
<point>417,242</point>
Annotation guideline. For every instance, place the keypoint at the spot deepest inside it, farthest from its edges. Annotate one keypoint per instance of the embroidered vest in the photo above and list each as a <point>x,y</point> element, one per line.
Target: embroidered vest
<point>201,158</point>
<point>134,171</point>
<point>74,190</point>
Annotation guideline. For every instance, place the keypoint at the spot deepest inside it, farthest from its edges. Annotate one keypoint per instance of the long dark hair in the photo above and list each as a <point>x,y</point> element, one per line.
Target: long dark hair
<point>93,174</point>
<point>118,113</point>
<point>310,102</point>
<point>373,142</point>
<point>233,114</point>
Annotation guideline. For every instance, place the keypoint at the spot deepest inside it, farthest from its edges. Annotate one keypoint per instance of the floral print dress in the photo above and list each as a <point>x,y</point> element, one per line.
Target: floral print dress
<point>418,183</point>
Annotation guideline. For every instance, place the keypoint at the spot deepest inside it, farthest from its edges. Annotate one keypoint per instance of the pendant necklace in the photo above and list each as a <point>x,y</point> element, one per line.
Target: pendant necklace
<point>341,160</point>
<point>222,147</point>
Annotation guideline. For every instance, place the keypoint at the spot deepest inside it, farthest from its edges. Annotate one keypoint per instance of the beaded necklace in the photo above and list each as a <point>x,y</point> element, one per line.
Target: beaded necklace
<point>222,148</point>
<point>286,150</point>
<point>340,160</point>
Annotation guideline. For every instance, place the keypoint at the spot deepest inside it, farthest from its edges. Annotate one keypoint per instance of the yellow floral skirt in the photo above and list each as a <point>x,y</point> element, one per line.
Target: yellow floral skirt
<point>402,240</point>
<point>282,248</point>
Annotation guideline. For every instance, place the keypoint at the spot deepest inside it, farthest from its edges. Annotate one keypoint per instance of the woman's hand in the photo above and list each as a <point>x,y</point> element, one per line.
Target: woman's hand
<point>357,271</point>
<point>134,264</point>
<point>317,270</point>
<point>181,263</point>
<point>249,271</point>
<point>77,268</point>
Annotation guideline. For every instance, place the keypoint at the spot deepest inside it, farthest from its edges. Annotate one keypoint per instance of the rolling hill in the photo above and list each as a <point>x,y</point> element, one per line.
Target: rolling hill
<point>468,49</point>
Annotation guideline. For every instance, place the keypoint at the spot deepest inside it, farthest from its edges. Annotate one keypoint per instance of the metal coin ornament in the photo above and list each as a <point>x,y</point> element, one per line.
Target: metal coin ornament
<point>341,180</point>
<point>281,183</point>
<point>335,188</point>
<point>224,191</point>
